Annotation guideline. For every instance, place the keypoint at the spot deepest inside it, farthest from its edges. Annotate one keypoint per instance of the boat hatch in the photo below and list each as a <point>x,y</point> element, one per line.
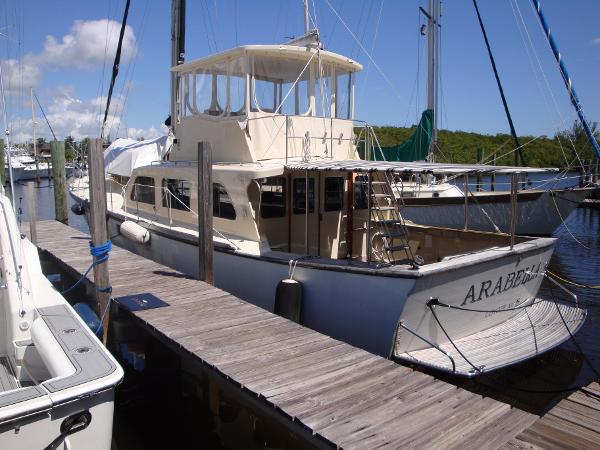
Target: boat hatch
<point>534,330</point>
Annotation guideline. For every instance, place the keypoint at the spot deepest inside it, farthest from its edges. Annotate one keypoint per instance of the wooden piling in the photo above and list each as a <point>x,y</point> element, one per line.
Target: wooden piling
<point>2,161</point>
<point>98,227</point>
<point>205,213</point>
<point>32,210</point>
<point>59,176</point>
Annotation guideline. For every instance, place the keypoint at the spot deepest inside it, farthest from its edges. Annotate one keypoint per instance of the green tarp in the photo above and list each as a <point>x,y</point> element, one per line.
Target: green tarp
<point>414,148</point>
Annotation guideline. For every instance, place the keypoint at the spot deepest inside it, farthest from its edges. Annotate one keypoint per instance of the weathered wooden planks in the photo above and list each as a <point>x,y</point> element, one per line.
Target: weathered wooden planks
<point>343,395</point>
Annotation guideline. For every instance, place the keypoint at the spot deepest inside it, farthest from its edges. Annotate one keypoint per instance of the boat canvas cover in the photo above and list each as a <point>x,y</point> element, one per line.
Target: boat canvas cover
<point>417,167</point>
<point>414,148</point>
<point>124,155</point>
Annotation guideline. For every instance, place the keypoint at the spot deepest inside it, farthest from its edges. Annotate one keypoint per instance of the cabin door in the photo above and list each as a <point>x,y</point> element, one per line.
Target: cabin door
<point>332,242</point>
<point>304,226</point>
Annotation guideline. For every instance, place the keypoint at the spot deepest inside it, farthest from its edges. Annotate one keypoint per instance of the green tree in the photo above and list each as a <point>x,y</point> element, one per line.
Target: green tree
<point>71,149</point>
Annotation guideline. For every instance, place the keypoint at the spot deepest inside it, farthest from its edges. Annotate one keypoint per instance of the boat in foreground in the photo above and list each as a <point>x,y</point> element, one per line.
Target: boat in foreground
<point>57,380</point>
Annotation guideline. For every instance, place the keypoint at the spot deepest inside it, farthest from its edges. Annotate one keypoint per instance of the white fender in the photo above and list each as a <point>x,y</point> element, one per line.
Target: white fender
<point>134,232</point>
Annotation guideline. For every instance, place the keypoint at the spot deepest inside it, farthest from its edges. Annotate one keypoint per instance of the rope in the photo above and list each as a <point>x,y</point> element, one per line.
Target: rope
<point>100,254</point>
<point>433,302</point>
<point>573,283</point>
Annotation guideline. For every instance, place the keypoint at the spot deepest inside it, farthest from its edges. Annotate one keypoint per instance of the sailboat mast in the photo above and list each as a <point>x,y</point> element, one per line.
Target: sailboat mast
<point>177,55</point>
<point>432,70</point>
<point>306,19</point>
<point>566,78</point>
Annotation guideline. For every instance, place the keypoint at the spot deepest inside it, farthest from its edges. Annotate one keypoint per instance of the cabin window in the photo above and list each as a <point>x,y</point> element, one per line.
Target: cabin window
<point>300,195</point>
<point>217,90</point>
<point>264,93</point>
<point>272,197</point>
<point>143,190</point>
<point>360,192</point>
<point>334,194</point>
<point>176,194</point>
<point>237,93</point>
<point>222,204</point>
<point>343,95</point>
<point>323,93</point>
<point>281,85</point>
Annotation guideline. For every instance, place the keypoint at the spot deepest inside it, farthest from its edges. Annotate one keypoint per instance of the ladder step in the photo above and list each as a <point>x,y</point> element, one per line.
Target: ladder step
<point>394,234</point>
<point>396,248</point>
<point>385,208</point>
<point>372,182</point>
<point>389,222</point>
<point>381,195</point>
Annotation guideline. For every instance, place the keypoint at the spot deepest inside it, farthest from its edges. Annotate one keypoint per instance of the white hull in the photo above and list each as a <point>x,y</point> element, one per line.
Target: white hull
<point>539,213</point>
<point>53,370</point>
<point>16,171</point>
<point>361,306</point>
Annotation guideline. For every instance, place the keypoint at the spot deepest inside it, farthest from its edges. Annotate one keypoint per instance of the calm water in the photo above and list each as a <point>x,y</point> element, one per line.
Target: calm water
<point>534,385</point>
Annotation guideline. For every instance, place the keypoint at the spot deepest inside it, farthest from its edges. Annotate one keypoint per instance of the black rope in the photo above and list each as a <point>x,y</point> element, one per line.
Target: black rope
<point>506,110</point>
<point>431,304</point>
<point>508,383</point>
<point>488,310</point>
<point>115,70</point>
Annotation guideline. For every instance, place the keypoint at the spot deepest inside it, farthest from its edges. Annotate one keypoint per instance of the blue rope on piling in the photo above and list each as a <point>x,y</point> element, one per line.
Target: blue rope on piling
<point>100,253</point>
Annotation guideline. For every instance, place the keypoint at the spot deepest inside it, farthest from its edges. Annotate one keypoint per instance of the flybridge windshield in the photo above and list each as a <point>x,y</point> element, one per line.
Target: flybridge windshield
<point>267,84</point>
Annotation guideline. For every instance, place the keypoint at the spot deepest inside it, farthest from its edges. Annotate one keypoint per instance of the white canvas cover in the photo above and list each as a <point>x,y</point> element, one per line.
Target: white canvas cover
<point>124,155</point>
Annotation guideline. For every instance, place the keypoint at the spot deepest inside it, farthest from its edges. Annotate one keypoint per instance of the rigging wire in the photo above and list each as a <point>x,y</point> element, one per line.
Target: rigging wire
<point>381,72</point>
<point>518,155</point>
<point>115,70</point>
<point>366,77</point>
<point>126,87</point>
<point>44,114</point>
<point>523,30</point>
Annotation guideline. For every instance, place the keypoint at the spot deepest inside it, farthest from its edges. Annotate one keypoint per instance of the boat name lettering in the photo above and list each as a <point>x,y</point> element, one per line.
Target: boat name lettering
<point>488,288</point>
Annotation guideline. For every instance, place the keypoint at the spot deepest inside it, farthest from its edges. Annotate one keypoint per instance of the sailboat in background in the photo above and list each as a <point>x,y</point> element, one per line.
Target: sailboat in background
<point>431,200</point>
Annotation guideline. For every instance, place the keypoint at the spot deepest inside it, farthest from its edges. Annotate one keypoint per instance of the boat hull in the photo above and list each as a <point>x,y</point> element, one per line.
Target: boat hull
<point>539,212</point>
<point>39,430</point>
<point>358,306</point>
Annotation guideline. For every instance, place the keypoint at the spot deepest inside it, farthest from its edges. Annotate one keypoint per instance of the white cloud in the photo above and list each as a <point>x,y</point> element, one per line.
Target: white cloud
<point>144,133</point>
<point>16,73</point>
<point>79,118</point>
<point>595,41</point>
<point>88,45</point>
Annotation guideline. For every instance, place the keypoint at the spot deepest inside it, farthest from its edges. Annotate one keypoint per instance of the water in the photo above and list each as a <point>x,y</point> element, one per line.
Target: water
<point>163,401</point>
<point>44,194</point>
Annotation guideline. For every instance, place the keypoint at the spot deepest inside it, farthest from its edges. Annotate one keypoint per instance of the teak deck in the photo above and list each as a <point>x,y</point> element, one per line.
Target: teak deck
<point>329,392</point>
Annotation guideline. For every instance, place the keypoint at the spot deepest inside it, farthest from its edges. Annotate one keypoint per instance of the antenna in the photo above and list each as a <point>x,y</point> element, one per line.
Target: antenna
<point>306,20</point>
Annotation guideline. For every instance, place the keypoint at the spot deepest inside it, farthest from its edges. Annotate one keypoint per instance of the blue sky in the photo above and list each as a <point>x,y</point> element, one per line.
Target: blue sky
<point>66,69</point>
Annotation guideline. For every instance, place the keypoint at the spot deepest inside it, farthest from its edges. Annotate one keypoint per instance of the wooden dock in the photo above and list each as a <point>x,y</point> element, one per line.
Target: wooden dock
<point>325,391</point>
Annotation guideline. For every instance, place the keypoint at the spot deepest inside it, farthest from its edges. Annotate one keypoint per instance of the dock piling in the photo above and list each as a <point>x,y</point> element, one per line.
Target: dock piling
<point>59,176</point>
<point>98,227</point>
<point>205,213</point>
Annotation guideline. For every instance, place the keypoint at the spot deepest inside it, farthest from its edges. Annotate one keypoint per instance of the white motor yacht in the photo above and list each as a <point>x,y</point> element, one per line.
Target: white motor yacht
<point>293,201</point>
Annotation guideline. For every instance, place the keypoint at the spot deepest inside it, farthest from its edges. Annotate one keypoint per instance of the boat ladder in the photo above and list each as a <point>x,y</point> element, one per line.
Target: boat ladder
<point>390,236</point>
